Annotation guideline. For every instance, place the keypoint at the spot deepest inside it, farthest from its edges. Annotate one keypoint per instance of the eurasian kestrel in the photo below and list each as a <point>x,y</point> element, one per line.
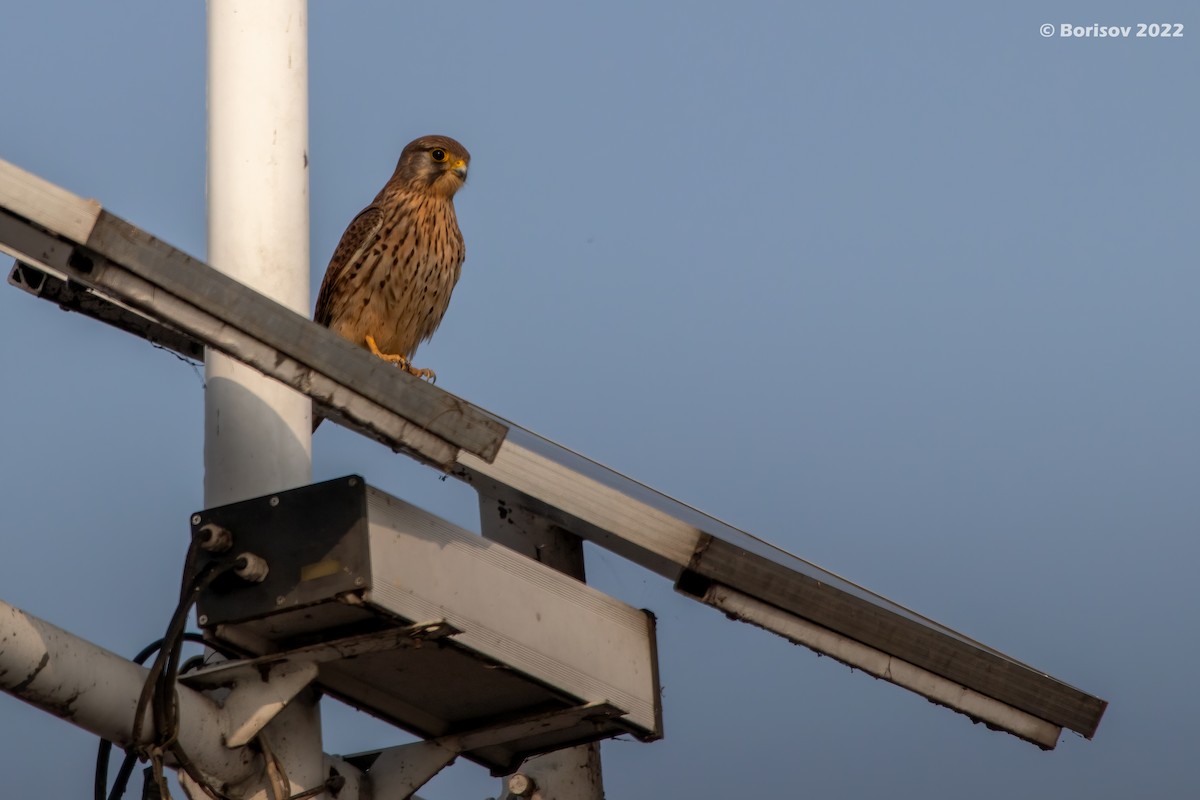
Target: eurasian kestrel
<point>389,281</point>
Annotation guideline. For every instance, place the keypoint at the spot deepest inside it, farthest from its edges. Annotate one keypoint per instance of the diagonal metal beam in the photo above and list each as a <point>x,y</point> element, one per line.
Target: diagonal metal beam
<point>45,225</point>
<point>74,297</point>
<point>707,559</point>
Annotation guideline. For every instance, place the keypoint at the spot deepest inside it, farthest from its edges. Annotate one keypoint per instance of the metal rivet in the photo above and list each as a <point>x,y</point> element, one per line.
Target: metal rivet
<point>359,581</point>
<point>280,600</point>
<point>354,481</point>
<point>274,501</point>
<point>202,619</point>
<point>195,519</point>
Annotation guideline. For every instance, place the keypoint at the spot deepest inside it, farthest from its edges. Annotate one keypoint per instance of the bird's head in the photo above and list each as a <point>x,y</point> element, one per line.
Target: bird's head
<point>433,163</point>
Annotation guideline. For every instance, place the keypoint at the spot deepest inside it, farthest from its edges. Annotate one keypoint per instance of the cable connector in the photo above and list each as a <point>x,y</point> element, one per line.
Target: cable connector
<point>252,568</point>
<point>213,538</point>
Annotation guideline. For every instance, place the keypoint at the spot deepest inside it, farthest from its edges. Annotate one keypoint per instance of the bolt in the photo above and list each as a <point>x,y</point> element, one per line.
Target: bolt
<point>521,785</point>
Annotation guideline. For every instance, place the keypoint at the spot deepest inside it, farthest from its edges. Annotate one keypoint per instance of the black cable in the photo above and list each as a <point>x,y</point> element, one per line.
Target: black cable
<point>158,692</point>
<point>150,788</point>
<point>161,680</point>
<point>104,751</point>
<point>170,640</point>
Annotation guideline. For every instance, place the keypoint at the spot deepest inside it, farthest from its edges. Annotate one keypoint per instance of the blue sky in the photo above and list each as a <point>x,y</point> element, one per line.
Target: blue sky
<point>909,290</point>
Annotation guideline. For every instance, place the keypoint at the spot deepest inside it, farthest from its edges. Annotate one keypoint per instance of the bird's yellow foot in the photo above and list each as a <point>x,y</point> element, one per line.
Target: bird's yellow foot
<point>391,358</point>
<point>400,361</point>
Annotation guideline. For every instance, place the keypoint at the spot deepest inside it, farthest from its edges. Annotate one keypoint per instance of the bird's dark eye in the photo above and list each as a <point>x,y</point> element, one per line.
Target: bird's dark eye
<point>439,155</point>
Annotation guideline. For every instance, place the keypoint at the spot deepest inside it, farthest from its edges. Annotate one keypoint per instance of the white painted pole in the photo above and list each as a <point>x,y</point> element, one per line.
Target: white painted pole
<point>97,690</point>
<point>257,433</point>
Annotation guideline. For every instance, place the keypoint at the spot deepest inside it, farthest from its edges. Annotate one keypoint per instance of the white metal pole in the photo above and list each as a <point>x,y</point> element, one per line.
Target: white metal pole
<point>97,690</point>
<point>258,433</point>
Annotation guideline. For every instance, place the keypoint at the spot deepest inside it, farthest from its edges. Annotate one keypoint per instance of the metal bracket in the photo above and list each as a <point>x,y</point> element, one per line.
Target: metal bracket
<point>258,692</point>
<point>262,687</point>
<point>397,772</point>
<point>525,727</point>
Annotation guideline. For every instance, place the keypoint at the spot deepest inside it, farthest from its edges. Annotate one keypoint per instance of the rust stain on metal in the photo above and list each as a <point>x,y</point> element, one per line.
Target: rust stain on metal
<point>23,685</point>
<point>702,546</point>
<point>64,709</point>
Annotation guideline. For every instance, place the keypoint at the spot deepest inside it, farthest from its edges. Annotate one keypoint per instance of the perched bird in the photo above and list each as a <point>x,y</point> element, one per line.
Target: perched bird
<point>389,281</point>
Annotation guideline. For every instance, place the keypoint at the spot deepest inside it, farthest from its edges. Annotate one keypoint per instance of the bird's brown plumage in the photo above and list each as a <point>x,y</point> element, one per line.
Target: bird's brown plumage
<point>388,284</point>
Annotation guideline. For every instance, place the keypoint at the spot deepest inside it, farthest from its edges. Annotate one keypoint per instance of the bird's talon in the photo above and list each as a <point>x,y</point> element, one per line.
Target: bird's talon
<point>426,374</point>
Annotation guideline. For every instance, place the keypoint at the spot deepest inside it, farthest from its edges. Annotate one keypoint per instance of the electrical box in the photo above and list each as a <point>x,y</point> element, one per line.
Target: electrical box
<point>432,627</point>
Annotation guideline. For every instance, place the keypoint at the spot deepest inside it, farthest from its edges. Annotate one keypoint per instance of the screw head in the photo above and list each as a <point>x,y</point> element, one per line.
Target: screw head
<point>280,600</point>
<point>274,501</point>
<point>202,619</point>
<point>195,519</point>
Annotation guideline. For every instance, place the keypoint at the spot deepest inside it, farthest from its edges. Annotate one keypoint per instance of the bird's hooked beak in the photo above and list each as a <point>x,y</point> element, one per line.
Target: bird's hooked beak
<point>459,168</point>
